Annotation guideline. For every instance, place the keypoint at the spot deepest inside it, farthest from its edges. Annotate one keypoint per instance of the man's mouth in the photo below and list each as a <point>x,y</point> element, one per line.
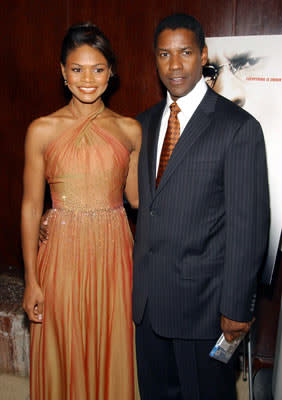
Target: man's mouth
<point>177,79</point>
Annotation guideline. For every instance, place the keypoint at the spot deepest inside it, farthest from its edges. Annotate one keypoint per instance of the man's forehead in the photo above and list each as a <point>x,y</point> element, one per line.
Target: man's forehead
<point>178,37</point>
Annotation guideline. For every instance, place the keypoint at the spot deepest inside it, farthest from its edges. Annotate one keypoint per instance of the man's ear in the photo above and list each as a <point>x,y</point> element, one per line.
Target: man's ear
<point>204,56</point>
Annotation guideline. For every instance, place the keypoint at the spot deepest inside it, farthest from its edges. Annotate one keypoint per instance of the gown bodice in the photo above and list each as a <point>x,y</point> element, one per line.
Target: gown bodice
<point>86,168</point>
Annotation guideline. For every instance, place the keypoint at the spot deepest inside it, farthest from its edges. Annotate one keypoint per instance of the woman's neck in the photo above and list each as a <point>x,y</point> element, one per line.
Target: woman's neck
<point>79,109</point>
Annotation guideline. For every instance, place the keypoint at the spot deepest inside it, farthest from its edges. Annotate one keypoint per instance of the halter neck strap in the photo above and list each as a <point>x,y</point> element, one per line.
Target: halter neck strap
<point>91,116</point>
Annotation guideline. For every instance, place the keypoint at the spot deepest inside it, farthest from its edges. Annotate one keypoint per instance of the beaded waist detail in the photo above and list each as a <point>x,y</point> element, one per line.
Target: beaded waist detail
<point>87,212</point>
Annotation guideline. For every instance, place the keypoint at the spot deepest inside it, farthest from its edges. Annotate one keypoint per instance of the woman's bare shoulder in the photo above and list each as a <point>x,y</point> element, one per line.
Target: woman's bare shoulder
<point>124,121</point>
<point>44,128</point>
<point>49,121</point>
<point>129,126</point>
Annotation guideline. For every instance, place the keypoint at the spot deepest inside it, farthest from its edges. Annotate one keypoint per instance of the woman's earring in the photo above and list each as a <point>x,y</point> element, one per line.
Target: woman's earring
<point>65,82</point>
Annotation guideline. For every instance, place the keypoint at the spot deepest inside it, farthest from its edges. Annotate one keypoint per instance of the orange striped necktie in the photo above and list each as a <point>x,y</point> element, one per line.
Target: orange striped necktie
<point>170,140</point>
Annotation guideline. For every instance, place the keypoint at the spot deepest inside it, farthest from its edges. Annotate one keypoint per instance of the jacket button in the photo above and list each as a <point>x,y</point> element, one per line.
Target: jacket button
<point>153,213</point>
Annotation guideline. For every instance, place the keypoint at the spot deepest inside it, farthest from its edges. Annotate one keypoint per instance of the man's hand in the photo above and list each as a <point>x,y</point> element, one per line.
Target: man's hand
<point>233,329</point>
<point>43,229</point>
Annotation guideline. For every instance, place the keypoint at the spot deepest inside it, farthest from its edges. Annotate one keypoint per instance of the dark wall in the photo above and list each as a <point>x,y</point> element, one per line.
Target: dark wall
<point>31,84</point>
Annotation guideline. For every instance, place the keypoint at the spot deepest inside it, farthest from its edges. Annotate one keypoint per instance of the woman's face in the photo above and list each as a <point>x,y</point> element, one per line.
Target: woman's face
<point>87,73</point>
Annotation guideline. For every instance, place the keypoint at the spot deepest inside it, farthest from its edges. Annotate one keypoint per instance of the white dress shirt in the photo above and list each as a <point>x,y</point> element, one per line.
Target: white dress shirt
<point>188,105</point>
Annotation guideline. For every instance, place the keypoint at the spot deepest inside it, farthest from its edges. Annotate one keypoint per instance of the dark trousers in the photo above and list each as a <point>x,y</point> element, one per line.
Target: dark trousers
<point>177,369</point>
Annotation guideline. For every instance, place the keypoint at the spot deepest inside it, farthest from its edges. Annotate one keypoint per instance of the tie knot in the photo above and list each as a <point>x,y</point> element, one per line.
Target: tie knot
<point>174,108</point>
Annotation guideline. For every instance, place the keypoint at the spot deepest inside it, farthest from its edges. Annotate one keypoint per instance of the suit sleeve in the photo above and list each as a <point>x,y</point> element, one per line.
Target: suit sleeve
<point>247,220</point>
<point>140,118</point>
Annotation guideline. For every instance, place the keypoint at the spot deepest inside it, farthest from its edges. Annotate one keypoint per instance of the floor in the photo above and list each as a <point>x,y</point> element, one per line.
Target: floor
<point>17,388</point>
<point>242,389</point>
<point>14,388</point>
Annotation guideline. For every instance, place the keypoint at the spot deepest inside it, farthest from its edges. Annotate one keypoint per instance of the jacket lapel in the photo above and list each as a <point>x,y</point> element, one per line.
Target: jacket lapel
<point>152,142</point>
<point>198,123</point>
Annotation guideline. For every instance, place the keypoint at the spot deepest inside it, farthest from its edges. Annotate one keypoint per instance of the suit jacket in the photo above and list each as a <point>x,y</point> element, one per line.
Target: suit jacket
<point>201,235</point>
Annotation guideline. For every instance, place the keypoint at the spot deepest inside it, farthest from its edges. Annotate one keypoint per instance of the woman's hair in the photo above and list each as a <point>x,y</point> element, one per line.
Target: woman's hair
<point>87,34</point>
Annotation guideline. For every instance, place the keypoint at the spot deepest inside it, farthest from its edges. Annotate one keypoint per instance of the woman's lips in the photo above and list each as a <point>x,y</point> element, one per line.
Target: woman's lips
<point>87,90</point>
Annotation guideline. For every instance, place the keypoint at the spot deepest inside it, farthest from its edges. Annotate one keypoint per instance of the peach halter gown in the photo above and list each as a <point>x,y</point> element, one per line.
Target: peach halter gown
<point>84,348</point>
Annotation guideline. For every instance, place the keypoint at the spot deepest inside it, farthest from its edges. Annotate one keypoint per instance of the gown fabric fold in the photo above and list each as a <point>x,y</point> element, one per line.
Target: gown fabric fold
<point>84,348</point>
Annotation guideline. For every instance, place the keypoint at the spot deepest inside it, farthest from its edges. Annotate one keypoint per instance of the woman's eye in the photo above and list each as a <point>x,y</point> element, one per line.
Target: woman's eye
<point>76,69</point>
<point>163,54</point>
<point>187,52</point>
<point>99,70</point>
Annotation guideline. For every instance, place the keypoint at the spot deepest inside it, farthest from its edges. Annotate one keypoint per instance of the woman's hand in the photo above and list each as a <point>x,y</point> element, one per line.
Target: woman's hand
<point>33,302</point>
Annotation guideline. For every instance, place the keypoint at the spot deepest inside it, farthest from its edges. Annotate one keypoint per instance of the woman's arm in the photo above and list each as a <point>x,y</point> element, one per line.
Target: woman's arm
<point>32,207</point>
<point>131,187</point>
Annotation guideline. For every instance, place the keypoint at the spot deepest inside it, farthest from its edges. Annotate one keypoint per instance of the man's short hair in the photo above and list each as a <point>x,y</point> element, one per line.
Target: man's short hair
<point>178,21</point>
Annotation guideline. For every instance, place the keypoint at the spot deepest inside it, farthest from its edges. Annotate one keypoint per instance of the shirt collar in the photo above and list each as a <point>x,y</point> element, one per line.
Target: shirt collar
<point>191,99</point>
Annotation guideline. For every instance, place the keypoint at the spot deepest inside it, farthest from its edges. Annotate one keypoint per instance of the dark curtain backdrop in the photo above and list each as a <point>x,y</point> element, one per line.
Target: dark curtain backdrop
<point>31,84</point>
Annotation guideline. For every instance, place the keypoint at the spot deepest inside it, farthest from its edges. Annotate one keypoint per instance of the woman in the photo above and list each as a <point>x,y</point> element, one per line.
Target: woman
<point>78,286</point>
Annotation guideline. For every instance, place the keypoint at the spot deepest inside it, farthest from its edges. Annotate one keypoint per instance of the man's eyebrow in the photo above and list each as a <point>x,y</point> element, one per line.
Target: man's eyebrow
<point>180,48</point>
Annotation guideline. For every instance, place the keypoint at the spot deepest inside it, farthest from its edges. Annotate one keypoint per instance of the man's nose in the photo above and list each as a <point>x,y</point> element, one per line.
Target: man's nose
<point>175,62</point>
<point>228,85</point>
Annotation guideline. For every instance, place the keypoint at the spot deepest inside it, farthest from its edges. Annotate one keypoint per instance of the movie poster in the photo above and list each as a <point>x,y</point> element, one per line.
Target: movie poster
<point>248,71</point>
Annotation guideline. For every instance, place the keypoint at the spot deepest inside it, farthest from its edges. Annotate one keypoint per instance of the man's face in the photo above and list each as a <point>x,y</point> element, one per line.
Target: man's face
<point>179,61</point>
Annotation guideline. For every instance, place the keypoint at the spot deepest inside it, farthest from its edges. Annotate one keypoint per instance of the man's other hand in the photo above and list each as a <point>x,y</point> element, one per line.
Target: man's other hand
<point>43,229</point>
<point>233,329</point>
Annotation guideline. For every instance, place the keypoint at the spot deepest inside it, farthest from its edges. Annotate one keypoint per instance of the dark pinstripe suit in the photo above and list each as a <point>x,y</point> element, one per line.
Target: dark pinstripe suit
<point>201,236</point>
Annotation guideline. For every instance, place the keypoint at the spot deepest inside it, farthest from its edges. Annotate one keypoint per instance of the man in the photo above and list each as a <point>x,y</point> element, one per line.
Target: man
<point>202,225</point>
